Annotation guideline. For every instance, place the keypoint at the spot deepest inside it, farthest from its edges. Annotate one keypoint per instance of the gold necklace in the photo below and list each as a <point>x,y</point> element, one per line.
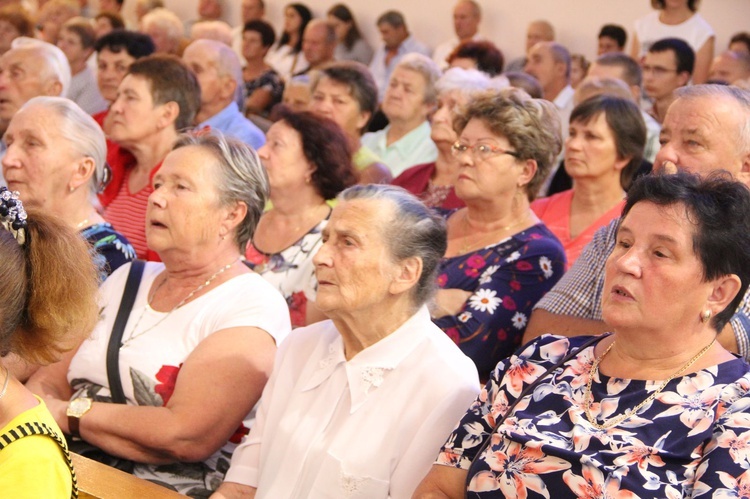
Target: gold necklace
<point>588,396</point>
<point>133,335</point>
<point>467,231</point>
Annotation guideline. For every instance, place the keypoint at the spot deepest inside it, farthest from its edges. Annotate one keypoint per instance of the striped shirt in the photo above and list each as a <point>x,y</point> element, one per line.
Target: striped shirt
<point>127,214</point>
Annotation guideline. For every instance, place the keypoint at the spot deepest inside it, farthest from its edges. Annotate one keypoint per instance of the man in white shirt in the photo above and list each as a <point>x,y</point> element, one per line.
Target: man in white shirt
<point>466,17</point>
<point>397,42</point>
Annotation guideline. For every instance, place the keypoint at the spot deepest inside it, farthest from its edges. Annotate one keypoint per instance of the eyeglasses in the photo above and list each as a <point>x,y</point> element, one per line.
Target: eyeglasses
<point>658,71</point>
<point>481,152</point>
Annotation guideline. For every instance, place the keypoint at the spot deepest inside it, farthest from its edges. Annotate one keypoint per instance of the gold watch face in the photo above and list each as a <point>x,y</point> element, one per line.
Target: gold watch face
<point>78,407</point>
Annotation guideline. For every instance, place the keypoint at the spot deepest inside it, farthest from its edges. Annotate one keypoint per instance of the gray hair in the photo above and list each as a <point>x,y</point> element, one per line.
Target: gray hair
<point>166,20</point>
<point>216,30</point>
<point>466,81</point>
<point>631,70</point>
<point>242,178</point>
<point>54,59</point>
<point>740,97</point>
<point>226,61</point>
<point>427,68</point>
<point>80,130</point>
<point>393,18</point>
<point>413,231</point>
<point>560,54</point>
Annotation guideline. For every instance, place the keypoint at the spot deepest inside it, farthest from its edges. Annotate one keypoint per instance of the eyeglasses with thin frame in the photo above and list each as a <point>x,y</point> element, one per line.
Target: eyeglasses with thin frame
<point>481,152</point>
<point>658,71</point>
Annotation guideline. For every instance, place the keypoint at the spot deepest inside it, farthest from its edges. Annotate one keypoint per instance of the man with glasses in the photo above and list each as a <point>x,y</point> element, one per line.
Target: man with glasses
<point>668,65</point>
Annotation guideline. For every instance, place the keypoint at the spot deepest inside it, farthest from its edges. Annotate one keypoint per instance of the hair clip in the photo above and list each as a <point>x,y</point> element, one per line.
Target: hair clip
<point>12,214</point>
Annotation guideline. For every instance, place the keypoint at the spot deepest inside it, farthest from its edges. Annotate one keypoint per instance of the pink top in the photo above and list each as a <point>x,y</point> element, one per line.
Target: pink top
<point>554,211</point>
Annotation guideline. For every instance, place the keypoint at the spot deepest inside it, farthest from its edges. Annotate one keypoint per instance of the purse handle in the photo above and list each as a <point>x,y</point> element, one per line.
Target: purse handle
<point>529,388</point>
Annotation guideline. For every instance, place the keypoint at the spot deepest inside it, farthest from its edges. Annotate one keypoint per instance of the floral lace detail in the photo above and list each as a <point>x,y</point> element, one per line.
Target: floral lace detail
<point>329,359</point>
<point>350,484</point>
<point>373,376</point>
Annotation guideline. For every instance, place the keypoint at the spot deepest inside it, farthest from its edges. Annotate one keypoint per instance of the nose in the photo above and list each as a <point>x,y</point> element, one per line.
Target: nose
<point>323,256</point>
<point>156,198</point>
<point>10,159</point>
<point>628,262</point>
<point>263,151</point>
<point>666,153</point>
<point>572,142</point>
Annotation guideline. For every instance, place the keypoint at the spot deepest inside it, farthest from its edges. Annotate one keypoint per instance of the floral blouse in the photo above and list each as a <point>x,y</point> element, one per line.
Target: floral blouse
<point>505,280</point>
<point>271,81</point>
<point>112,248</point>
<point>691,441</point>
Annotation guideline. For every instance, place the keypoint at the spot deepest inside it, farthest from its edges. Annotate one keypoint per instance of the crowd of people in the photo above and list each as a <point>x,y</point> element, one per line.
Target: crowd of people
<point>276,261</point>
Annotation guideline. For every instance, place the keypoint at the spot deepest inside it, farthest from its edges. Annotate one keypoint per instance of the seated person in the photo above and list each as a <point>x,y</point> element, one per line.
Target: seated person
<point>481,55</point>
<point>409,100</point>
<point>500,259</point>
<point>360,402</point>
<point>657,407</point>
<point>602,153</point>
<point>263,85</point>
<point>351,46</point>
<point>203,327</point>
<point>76,40</point>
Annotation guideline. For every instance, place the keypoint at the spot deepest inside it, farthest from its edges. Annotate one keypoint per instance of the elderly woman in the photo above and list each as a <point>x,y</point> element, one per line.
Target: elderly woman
<point>433,182</point>
<point>308,161</point>
<point>55,160</point>
<point>346,93</point>
<point>263,85</point>
<point>287,57</point>
<point>500,259</point>
<point>379,383</point>
<point>48,302</point>
<point>157,98</point>
<point>191,360</point>
<point>657,408</point>
<point>603,151</point>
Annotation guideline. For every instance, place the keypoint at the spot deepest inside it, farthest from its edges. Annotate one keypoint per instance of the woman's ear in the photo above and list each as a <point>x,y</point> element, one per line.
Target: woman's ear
<point>233,217</point>
<point>169,114</point>
<point>407,275</point>
<point>724,291</point>
<point>529,168</point>
<point>82,172</point>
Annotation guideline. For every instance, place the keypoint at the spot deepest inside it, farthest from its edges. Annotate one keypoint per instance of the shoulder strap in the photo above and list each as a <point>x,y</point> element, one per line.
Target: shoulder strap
<point>115,340</point>
<point>37,428</point>
<point>529,388</point>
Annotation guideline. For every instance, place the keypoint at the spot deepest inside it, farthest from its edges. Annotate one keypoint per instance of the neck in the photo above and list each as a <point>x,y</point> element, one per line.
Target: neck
<point>400,128</point>
<point>363,328</point>
<point>487,215</point>
<point>446,166</point>
<point>675,15</point>
<point>295,202</point>
<point>661,105</point>
<point>595,196</point>
<point>209,110</point>
<point>553,89</point>
<point>256,65</point>
<point>191,270</point>
<point>77,66</point>
<point>150,152</point>
<point>76,210</point>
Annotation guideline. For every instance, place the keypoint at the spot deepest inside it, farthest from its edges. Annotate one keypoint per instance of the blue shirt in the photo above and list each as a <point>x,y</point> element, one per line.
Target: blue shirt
<point>231,123</point>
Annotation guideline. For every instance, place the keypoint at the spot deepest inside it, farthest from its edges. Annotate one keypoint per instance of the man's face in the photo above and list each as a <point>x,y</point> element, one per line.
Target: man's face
<point>201,62</point>
<point>607,45</point>
<point>21,78</point>
<point>617,72</point>
<point>465,21</point>
<point>209,9</point>
<point>701,135</point>
<point>542,66</point>
<point>536,33</point>
<point>392,36</point>
<point>252,10</point>
<point>660,76</point>
<point>315,45</point>
<point>727,69</point>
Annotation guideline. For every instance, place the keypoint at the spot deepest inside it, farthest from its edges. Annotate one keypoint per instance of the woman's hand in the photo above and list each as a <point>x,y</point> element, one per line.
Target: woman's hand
<point>448,302</point>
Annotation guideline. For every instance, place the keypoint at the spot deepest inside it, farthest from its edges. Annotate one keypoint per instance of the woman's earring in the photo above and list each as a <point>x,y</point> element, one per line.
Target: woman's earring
<point>705,316</point>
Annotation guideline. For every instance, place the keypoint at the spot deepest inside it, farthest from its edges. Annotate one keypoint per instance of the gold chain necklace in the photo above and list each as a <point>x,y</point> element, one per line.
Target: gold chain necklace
<point>133,335</point>
<point>588,396</point>
<point>467,231</point>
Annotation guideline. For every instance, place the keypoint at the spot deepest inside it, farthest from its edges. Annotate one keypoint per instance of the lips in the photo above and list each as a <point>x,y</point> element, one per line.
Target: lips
<point>621,292</point>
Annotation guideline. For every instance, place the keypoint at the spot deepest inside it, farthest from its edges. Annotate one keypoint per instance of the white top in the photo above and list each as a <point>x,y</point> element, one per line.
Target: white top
<point>367,428</point>
<point>649,29</point>
<point>443,50</point>
<point>84,91</point>
<point>414,148</point>
<point>286,62</point>
<point>150,363</point>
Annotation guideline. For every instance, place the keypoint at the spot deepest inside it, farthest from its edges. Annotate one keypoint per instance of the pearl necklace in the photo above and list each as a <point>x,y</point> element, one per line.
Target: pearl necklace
<point>133,334</point>
<point>588,396</point>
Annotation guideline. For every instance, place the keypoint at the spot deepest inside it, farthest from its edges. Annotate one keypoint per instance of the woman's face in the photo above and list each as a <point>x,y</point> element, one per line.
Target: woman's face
<point>442,121</point>
<point>292,21</point>
<point>354,266</point>
<point>591,151</point>
<point>252,46</point>
<point>577,73</point>
<point>112,68</point>
<point>40,163</point>
<point>498,175</point>
<point>184,211</point>
<point>135,117</point>
<point>340,27</point>
<point>653,260</point>
<point>284,159</point>
<point>334,100</point>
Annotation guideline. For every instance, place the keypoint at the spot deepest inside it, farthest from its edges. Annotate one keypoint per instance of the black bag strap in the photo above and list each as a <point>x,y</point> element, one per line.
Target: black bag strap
<point>115,340</point>
<point>529,388</point>
<point>38,428</point>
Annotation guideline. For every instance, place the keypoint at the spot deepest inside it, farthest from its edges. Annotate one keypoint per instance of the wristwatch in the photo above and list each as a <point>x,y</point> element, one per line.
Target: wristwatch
<point>76,409</point>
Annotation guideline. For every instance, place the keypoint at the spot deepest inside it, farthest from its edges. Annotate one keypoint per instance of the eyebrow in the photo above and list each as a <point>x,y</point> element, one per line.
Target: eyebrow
<point>659,237</point>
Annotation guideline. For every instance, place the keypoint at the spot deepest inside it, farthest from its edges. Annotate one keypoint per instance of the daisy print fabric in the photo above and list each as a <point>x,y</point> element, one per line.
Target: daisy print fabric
<point>693,440</point>
<point>505,281</point>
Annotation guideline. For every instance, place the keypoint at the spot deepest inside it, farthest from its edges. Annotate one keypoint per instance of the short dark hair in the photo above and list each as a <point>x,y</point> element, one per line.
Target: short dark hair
<point>306,16</point>
<point>615,32</point>
<point>683,54</point>
<point>391,17</point>
<point>626,123</point>
<point>361,84</point>
<point>660,4</point>
<point>114,18</point>
<point>742,37</point>
<point>718,206</point>
<point>631,70</point>
<point>488,57</point>
<point>267,36</point>
<point>170,80</point>
<point>136,44</point>
<point>18,18</point>
<point>325,145</point>
<point>81,27</point>
<point>342,13</point>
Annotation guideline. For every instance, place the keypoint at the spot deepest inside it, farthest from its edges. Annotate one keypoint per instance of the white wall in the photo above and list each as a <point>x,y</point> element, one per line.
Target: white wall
<point>577,21</point>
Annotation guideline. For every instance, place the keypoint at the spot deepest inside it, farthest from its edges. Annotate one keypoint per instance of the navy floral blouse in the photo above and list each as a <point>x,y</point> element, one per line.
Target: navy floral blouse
<point>693,440</point>
<point>112,248</point>
<point>505,280</point>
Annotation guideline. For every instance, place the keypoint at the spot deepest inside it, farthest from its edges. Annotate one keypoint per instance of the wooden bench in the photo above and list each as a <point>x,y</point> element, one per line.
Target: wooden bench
<point>99,481</point>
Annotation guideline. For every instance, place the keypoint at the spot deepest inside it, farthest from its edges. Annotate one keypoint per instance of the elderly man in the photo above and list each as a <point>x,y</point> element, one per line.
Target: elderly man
<point>707,128</point>
<point>730,67</point>
<point>318,44</point>
<point>466,17</point>
<point>397,42</point>
<point>668,65</point>
<point>537,31</point>
<point>218,71</point>
<point>409,100</point>
<point>549,63</point>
